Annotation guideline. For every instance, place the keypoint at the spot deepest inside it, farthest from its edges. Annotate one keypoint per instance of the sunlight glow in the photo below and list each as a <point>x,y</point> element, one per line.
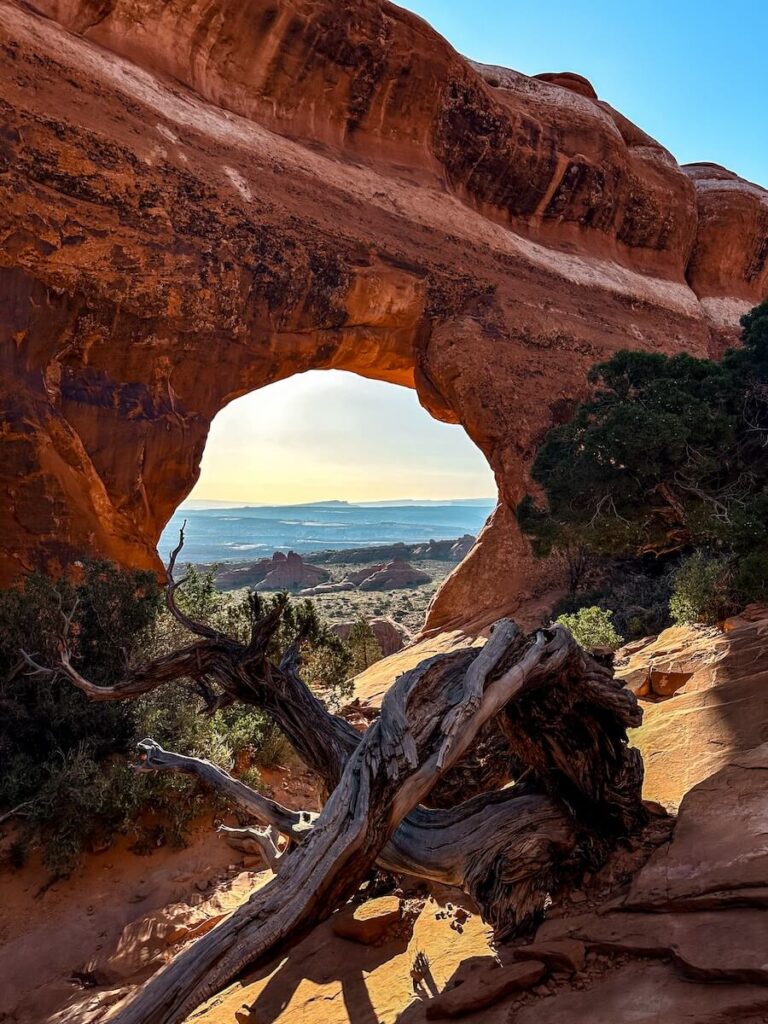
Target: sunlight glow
<point>327,435</point>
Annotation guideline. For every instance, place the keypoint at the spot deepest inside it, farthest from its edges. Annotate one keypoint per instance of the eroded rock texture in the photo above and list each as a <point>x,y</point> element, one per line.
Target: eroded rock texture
<point>200,197</point>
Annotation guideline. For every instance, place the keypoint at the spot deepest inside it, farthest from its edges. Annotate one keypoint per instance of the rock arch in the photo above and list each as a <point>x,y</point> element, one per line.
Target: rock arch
<point>202,199</point>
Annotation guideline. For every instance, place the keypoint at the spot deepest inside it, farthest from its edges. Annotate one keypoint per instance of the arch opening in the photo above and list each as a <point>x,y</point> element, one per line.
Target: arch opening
<point>340,488</point>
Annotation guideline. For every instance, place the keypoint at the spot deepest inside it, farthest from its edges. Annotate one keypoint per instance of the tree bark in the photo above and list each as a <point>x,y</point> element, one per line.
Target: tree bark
<point>424,728</point>
<point>510,849</point>
<point>538,705</point>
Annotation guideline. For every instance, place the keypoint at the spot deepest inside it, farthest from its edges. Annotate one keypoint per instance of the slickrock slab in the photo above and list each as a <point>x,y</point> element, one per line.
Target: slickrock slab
<point>485,987</point>
<point>718,855</point>
<point>327,980</point>
<point>557,955</point>
<point>395,575</point>
<point>370,922</point>
<point>721,709</point>
<point>644,993</point>
<point>730,945</point>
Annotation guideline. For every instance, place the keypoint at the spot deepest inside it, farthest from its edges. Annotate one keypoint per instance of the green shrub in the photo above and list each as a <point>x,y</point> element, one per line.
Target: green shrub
<point>68,755</point>
<point>45,718</point>
<point>669,453</point>
<point>363,645</point>
<point>703,590</point>
<point>593,628</point>
<point>637,590</point>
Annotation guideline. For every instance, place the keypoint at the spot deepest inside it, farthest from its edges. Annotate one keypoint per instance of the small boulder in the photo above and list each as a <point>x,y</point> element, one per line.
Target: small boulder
<point>558,955</point>
<point>390,636</point>
<point>485,987</point>
<point>395,575</point>
<point>368,923</point>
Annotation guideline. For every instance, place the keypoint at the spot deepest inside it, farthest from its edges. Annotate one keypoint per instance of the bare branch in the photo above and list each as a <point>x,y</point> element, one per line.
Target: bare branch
<point>521,838</point>
<point>198,628</point>
<point>265,839</point>
<point>187,663</point>
<point>16,812</point>
<point>36,669</point>
<point>293,824</point>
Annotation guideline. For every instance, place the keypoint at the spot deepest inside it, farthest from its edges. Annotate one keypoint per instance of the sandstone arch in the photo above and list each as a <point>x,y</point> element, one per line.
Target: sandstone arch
<point>201,198</point>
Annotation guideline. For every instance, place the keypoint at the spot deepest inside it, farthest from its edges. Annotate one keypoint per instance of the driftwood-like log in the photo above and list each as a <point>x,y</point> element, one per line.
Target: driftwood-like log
<point>423,729</point>
<point>549,710</point>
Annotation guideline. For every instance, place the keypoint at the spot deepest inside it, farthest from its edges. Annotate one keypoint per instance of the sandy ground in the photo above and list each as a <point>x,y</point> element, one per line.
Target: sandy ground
<point>50,935</point>
<point>46,937</point>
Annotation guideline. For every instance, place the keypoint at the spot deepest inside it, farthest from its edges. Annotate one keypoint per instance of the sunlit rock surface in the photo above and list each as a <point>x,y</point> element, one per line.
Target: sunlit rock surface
<point>717,707</point>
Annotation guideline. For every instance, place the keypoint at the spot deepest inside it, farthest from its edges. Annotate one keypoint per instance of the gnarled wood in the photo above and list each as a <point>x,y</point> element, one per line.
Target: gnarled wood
<point>396,763</point>
<point>563,719</point>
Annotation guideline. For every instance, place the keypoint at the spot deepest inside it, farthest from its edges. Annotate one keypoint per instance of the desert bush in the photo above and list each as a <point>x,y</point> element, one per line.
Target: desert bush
<point>65,757</point>
<point>636,590</point>
<point>704,590</point>
<point>363,645</point>
<point>593,628</point>
<point>45,718</point>
<point>670,454</point>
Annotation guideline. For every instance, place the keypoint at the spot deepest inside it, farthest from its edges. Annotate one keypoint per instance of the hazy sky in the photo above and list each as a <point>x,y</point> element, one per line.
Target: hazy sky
<point>328,434</point>
<point>690,72</point>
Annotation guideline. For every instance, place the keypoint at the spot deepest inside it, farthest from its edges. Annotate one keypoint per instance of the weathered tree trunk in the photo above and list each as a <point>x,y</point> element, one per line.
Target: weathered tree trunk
<point>564,720</point>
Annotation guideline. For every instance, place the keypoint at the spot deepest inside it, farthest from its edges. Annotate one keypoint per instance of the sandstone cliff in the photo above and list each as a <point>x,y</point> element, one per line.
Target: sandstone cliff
<point>200,198</point>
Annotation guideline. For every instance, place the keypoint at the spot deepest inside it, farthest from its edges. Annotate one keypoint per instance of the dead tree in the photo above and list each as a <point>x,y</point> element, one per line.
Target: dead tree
<point>562,717</point>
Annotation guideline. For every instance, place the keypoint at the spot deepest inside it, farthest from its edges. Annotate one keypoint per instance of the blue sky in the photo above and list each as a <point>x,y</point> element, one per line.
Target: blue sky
<point>692,74</point>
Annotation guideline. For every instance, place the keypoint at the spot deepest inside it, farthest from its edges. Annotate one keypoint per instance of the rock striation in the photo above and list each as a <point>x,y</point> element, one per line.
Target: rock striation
<point>199,199</point>
<point>701,899</point>
<point>704,692</point>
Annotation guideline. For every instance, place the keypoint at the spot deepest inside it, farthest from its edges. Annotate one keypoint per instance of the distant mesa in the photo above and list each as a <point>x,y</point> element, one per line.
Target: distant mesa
<point>390,571</point>
<point>328,588</point>
<point>462,547</point>
<point>280,572</point>
<point>394,575</point>
<point>452,550</point>
<point>446,550</point>
<point>361,575</point>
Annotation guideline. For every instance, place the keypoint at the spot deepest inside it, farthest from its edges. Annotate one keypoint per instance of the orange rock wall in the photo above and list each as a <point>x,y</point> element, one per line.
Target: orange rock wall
<point>202,197</point>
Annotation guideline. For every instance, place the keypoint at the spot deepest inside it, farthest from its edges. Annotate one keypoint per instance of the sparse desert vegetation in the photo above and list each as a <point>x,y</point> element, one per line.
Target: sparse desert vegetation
<point>407,607</point>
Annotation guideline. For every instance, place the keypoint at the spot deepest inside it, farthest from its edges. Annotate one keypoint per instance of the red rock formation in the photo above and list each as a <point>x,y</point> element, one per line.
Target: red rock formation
<point>391,637</point>
<point>357,576</point>
<point>327,588</point>
<point>280,572</point>
<point>718,707</point>
<point>462,547</point>
<point>201,198</point>
<point>395,575</point>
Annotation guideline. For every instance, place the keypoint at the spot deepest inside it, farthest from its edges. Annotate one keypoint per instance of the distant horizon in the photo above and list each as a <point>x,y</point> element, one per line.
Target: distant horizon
<point>213,503</point>
<point>239,532</point>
